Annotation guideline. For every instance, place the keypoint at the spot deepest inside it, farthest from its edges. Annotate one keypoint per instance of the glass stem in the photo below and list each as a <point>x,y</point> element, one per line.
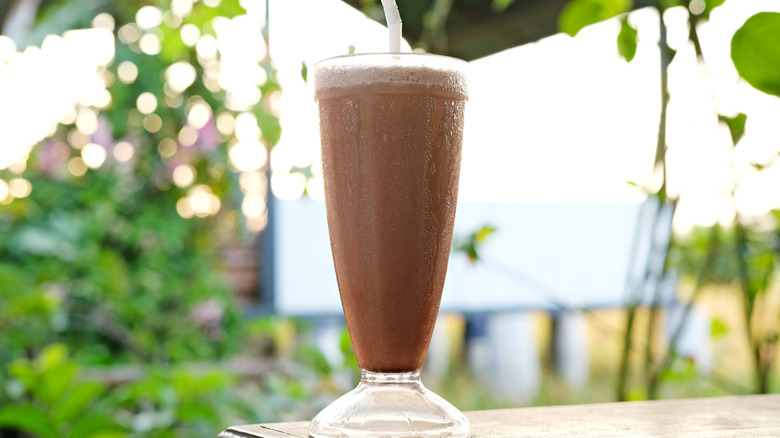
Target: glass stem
<point>375,377</point>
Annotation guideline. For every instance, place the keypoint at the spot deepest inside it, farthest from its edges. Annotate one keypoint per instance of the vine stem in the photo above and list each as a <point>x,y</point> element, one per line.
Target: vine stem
<point>659,171</point>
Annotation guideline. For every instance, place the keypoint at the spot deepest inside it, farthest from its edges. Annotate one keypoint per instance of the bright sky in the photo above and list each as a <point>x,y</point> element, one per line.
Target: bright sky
<point>565,119</point>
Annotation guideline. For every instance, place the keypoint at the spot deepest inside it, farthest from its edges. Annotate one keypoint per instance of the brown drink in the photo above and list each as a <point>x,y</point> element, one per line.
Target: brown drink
<point>391,136</point>
<point>391,127</point>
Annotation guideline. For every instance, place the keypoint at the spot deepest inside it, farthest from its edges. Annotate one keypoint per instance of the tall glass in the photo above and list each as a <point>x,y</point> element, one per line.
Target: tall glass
<point>391,127</point>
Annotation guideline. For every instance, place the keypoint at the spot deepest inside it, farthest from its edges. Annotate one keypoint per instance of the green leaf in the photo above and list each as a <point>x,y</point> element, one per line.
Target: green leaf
<point>295,389</point>
<point>718,328</point>
<point>28,418</point>
<point>199,411</point>
<point>94,424</point>
<point>202,15</point>
<point>57,17</point>
<point>55,382</point>
<point>483,233</point>
<point>304,71</point>
<point>40,241</point>
<point>761,267</point>
<point>313,358</point>
<point>666,4</point>
<point>736,126</point>
<point>264,326</point>
<point>501,5</point>
<point>111,274</point>
<point>755,50</point>
<point>173,47</point>
<point>627,40</point>
<point>682,370</point>
<point>470,250</point>
<point>470,245</point>
<point>709,5</point>
<point>636,394</point>
<point>108,434</point>
<point>580,13</point>
<point>345,345</point>
<point>230,8</point>
<point>269,126</point>
<point>23,370</point>
<point>77,402</point>
<point>306,171</point>
<point>51,357</point>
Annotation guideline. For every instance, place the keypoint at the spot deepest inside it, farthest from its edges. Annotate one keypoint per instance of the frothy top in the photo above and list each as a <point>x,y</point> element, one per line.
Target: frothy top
<point>435,71</point>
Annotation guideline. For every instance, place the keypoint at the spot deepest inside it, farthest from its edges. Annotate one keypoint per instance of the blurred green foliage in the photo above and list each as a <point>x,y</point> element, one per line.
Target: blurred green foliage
<point>98,268</point>
<point>744,254</point>
<point>116,273</point>
<point>762,249</point>
<point>472,243</point>
<point>103,261</point>
<point>52,396</point>
<point>48,400</point>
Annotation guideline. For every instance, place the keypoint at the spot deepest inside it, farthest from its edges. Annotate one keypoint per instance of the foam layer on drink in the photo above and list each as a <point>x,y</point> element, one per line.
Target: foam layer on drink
<point>439,72</point>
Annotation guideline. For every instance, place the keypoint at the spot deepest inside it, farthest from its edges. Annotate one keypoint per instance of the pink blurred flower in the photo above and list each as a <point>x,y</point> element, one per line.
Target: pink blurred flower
<point>103,136</point>
<point>208,315</point>
<point>208,137</point>
<point>52,158</point>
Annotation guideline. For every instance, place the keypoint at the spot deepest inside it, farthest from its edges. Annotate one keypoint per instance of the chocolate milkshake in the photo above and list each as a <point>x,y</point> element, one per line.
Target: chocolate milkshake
<point>391,129</point>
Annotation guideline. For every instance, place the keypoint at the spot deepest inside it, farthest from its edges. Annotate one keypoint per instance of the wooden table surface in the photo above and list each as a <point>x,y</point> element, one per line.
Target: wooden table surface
<point>738,416</point>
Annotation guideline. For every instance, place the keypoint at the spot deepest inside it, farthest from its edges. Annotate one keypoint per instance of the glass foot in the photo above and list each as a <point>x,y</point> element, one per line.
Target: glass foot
<point>390,405</point>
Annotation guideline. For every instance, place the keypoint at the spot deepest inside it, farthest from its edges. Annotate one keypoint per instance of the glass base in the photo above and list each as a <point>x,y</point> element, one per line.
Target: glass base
<point>390,405</point>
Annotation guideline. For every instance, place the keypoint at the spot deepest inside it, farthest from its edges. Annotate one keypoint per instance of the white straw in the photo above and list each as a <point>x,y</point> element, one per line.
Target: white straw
<point>393,24</point>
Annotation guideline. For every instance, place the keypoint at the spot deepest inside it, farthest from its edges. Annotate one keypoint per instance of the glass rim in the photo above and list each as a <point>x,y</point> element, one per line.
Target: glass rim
<point>444,58</point>
<point>428,69</point>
